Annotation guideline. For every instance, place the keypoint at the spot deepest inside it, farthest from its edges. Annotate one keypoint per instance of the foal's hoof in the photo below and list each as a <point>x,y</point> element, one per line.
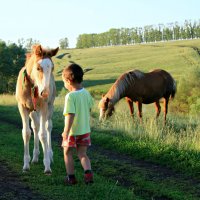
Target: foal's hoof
<point>25,170</point>
<point>34,161</point>
<point>47,172</point>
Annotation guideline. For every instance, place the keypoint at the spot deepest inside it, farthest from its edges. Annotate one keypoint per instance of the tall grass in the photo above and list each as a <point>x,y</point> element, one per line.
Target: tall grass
<point>7,99</point>
<point>181,131</point>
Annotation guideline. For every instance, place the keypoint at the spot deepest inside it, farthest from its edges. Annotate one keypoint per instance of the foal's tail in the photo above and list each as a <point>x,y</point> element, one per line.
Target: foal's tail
<point>173,91</point>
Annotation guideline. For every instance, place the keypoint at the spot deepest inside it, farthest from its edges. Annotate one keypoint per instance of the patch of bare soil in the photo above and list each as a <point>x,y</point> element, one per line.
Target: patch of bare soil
<point>12,188</point>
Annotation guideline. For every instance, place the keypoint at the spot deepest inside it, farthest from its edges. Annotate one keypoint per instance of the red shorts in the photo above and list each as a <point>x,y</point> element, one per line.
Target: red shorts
<point>74,141</point>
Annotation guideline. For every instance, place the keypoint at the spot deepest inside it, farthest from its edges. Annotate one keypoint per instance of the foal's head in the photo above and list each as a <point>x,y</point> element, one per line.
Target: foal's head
<point>42,67</point>
<point>106,108</point>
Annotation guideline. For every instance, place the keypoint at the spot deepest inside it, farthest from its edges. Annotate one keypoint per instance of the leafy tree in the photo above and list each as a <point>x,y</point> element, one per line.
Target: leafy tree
<point>188,93</point>
<point>177,31</point>
<point>64,43</point>
<point>114,36</point>
<point>12,59</point>
<point>125,36</point>
<point>21,42</point>
<point>30,42</point>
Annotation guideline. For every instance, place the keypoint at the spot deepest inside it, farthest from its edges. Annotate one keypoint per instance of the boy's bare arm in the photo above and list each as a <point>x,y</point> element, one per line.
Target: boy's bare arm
<point>68,124</point>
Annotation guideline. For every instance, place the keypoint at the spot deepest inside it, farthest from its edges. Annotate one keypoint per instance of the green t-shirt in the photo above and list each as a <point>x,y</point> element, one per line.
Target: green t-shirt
<point>79,103</point>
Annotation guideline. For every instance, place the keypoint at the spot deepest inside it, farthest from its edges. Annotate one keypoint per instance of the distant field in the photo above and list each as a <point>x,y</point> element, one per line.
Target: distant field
<point>108,63</point>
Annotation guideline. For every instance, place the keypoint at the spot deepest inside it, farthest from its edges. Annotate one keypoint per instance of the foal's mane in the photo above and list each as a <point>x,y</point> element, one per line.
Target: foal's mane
<point>118,89</point>
<point>29,62</point>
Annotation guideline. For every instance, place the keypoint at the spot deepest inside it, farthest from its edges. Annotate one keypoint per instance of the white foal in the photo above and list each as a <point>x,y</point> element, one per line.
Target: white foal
<point>35,93</point>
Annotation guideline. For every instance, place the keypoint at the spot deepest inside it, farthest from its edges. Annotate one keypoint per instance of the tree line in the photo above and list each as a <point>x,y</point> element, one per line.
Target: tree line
<point>12,59</point>
<point>146,34</point>
<point>28,43</point>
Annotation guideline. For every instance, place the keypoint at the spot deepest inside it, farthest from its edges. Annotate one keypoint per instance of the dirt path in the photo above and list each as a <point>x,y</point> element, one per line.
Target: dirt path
<point>11,188</point>
<point>125,167</point>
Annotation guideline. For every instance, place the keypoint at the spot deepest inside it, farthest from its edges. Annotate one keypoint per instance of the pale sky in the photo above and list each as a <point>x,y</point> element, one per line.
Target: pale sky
<point>50,20</point>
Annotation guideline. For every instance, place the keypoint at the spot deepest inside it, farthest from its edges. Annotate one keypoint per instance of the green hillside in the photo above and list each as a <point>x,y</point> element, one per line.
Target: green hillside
<point>108,63</point>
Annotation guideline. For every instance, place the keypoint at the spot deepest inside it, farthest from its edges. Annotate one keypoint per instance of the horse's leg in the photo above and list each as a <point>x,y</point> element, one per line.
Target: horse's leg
<point>166,100</point>
<point>35,126</point>
<point>158,108</point>
<point>139,104</point>
<point>49,127</point>
<point>130,104</point>
<point>26,135</point>
<point>43,138</point>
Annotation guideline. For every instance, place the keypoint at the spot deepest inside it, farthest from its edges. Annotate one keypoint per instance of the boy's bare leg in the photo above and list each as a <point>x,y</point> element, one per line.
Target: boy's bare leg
<point>82,155</point>
<point>68,159</point>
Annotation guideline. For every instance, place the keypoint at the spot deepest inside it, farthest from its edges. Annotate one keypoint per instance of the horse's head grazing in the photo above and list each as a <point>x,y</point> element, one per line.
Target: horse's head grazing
<point>42,67</point>
<point>106,108</point>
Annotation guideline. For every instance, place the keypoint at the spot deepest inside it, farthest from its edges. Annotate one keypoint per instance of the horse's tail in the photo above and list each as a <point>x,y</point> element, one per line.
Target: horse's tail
<point>173,91</point>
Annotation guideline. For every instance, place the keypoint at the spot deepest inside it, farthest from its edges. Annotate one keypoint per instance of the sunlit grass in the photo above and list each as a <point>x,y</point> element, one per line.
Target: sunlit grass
<point>180,131</point>
<point>7,99</point>
<point>109,63</point>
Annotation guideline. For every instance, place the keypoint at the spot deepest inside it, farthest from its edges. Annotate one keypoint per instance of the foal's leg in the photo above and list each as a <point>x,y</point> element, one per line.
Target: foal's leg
<point>158,108</point>
<point>49,126</point>
<point>139,104</point>
<point>43,138</point>
<point>35,126</point>
<point>130,104</point>
<point>26,135</point>
<point>166,100</point>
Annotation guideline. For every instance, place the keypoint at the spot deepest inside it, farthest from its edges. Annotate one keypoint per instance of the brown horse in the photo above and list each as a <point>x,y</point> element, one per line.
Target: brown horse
<point>142,88</point>
<point>35,93</point>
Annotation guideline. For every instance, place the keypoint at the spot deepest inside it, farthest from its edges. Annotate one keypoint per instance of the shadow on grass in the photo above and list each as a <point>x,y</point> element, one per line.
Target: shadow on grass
<point>10,114</point>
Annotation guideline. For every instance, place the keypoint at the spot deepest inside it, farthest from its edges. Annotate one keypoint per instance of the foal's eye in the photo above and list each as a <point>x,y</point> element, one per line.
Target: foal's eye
<point>38,68</point>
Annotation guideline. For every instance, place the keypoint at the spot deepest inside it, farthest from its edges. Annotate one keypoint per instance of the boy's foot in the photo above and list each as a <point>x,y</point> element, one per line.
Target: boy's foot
<point>88,178</point>
<point>70,181</point>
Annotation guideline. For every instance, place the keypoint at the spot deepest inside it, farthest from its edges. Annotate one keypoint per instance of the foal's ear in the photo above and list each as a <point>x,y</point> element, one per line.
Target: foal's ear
<point>54,51</point>
<point>37,50</point>
<point>28,55</point>
<point>107,99</point>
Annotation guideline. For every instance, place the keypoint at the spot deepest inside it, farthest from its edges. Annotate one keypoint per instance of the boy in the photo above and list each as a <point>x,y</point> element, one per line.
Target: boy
<point>76,134</point>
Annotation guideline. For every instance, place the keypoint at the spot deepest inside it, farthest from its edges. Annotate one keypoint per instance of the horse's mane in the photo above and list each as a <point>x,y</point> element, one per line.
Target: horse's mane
<point>118,89</point>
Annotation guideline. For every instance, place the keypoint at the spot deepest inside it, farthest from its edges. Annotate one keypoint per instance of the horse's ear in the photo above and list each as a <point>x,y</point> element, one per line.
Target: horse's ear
<point>54,51</point>
<point>103,95</point>
<point>37,50</point>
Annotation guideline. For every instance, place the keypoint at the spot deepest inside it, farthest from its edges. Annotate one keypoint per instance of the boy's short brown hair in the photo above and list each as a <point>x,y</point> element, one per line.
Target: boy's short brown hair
<point>73,72</point>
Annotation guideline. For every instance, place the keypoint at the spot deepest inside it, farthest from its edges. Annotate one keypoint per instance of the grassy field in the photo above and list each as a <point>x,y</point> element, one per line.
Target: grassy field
<point>108,63</point>
<point>130,160</point>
